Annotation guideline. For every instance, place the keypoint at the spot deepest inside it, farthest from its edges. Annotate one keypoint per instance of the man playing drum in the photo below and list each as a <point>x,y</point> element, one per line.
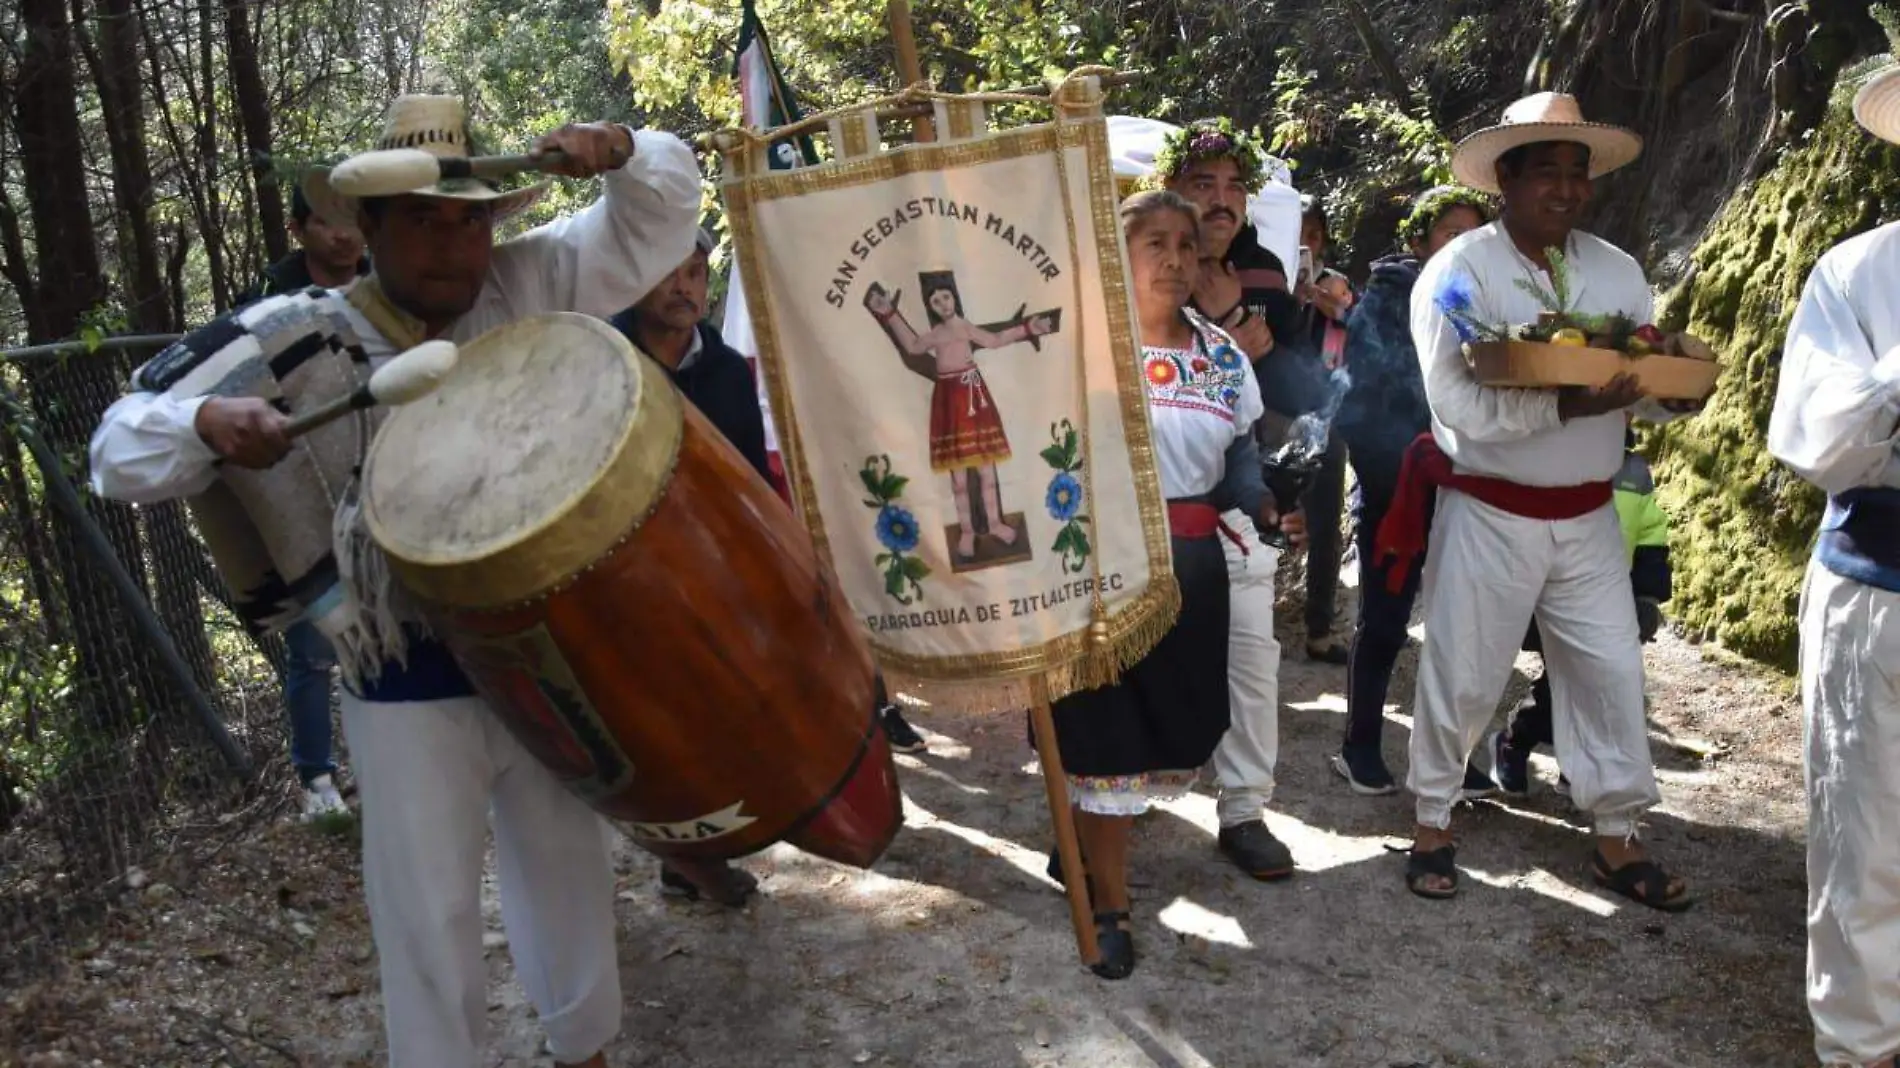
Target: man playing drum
<point>429,757</point>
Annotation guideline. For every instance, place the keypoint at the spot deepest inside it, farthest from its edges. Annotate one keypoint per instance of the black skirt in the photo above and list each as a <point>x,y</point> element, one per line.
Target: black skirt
<point>1169,711</point>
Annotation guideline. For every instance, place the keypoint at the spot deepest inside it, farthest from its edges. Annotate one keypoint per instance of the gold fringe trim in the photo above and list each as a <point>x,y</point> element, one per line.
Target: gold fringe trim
<point>1138,628</point>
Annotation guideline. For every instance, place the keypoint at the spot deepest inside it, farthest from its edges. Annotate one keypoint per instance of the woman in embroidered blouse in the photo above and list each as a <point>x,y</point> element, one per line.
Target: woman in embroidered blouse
<point>1148,735</point>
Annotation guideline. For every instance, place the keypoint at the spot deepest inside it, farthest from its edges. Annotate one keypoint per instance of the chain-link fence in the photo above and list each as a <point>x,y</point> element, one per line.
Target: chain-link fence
<point>138,719</point>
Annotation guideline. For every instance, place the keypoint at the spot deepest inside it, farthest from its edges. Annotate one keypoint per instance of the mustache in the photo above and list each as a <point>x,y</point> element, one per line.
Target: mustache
<point>1212,212</point>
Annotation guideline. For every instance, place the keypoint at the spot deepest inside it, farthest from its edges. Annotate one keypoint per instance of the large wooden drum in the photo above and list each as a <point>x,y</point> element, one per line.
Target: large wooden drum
<point>647,616</point>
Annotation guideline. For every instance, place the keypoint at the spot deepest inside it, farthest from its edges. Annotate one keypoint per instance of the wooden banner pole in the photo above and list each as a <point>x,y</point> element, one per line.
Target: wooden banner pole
<point>1068,849</point>
<point>923,128</point>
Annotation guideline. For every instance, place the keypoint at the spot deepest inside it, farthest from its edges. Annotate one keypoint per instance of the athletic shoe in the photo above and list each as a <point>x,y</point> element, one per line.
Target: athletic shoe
<point>1363,768</point>
<point>1510,764</point>
<point>903,737</point>
<point>1477,785</point>
<point>320,798</point>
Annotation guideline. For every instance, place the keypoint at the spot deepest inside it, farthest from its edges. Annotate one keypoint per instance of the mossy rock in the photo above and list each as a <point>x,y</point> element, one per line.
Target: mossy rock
<point>1743,524</point>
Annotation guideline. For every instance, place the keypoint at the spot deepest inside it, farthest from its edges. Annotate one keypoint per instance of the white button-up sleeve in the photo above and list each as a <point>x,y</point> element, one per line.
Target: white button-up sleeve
<point>1836,410</point>
<point>607,256</point>
<point>1458,402</point>
<point>147,450</point>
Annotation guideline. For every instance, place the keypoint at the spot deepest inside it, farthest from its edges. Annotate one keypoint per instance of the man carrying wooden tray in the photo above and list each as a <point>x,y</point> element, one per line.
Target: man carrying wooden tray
<point>1526,525</point>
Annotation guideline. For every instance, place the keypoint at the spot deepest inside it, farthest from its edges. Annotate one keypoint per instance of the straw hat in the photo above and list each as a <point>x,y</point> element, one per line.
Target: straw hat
<point>1877,105</point>
<point>1536,119</point>
<point>437,125</point>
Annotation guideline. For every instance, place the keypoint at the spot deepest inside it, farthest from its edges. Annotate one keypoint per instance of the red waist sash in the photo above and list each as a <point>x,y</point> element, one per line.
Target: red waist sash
<point>1192,519</point>
<point>1426,468</point>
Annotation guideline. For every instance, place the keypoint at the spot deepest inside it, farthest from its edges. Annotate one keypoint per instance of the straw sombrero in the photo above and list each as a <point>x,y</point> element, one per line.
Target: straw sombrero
<point>1877,106</point>
<point>1534,120</point>
<point>437,125</point>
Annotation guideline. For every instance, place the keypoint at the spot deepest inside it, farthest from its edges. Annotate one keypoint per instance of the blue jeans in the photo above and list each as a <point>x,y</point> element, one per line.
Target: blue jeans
<point>307,670</point>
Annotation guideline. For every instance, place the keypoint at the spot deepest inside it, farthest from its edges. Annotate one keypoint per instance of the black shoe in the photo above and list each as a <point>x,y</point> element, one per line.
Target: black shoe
<point>1255,850</point>
<point>1510,764</point>
<point>739,885</point>
<point>1477,785</point>
<point>903,737</point>
<point>1363,768</point>
<point>1117,946</point>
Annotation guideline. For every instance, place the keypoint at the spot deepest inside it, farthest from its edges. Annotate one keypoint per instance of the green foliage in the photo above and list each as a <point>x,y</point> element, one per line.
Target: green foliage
<point>1743,525</point>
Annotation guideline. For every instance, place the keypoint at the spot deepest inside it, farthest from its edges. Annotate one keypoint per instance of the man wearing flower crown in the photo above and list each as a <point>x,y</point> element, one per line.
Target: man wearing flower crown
<point>430,758</point>
<point>1525,525</point>
<point>1836,423</point>
<point>1241,285</point>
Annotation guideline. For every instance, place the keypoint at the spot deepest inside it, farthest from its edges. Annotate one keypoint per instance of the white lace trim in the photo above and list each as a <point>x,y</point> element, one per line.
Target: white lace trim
<point>1128,795</point>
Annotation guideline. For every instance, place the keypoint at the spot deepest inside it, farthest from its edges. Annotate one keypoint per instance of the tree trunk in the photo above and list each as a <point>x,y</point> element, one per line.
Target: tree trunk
<point>212,225</point>
<point>253,106</point>
<point>1395,84</point>
<point>114,56</point>
<point>120,687</point>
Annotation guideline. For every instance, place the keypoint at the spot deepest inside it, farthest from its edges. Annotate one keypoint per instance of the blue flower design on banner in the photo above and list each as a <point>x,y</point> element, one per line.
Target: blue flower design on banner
<point>1065,497</point>
<point>896,529</point>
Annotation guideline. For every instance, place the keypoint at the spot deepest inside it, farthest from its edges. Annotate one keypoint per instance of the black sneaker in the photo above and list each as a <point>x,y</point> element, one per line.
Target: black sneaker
<point>1255,850</point>
<point>739,885</point>
<point>1477,785</point>
<point>1363,768</point>
<point>1510,764</point>
<point>903,737</point>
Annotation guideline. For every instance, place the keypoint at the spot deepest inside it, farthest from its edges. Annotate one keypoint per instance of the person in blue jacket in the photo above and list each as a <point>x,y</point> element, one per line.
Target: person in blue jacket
<point>1382,413</point>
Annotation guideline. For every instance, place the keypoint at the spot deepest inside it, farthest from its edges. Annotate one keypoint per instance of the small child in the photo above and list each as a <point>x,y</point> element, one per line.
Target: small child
<point>1646,539</point>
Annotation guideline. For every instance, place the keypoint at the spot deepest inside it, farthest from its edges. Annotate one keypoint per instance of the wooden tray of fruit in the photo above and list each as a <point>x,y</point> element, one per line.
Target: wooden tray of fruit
<point>1669,367</point>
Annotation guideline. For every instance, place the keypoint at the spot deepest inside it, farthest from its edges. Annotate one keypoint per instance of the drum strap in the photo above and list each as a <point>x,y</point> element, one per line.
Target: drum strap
<point>403,330</point>
<point>377,618</point>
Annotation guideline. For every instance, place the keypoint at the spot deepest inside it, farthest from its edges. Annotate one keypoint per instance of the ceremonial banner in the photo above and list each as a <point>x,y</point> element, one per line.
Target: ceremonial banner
<point>947,340</point>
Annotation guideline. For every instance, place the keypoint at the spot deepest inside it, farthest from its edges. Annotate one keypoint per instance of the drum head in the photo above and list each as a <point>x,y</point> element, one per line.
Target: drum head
<point>537,454</point>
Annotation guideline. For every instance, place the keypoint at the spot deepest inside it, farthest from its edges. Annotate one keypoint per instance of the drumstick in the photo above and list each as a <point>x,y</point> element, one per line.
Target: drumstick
<point>393,171</point>
<point>408,377</point>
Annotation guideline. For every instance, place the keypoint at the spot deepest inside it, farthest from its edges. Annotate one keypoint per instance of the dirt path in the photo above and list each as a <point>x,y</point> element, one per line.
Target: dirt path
<point>957,952</point>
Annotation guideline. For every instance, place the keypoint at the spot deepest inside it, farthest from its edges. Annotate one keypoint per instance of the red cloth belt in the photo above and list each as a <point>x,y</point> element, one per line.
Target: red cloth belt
<point>1426,468</point>
<point>1193,519</point>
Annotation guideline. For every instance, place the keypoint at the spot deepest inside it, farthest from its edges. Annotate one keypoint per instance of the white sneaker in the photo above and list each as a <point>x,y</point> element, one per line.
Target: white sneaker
<point>321,798</point>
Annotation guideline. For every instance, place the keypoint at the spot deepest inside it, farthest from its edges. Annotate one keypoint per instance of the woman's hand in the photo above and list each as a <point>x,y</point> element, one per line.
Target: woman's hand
<point>1038,326</point>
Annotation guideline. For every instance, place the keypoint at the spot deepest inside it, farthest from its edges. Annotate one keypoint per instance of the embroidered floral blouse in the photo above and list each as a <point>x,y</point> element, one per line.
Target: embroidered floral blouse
<point>1202,403</point>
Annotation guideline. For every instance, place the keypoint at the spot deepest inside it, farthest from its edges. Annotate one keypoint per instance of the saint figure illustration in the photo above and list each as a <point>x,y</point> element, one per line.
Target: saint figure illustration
<point>966,431</point>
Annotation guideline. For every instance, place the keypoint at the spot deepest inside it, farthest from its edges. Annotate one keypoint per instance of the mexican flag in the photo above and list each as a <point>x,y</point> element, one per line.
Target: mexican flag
<point>767,102</point>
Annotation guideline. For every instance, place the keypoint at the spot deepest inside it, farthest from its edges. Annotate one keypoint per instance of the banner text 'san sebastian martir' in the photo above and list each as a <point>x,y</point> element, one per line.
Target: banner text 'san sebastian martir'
<point>1018,607</point>
<point>889,223</point>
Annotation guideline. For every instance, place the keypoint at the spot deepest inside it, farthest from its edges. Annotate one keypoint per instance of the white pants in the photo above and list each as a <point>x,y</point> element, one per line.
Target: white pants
<point>1247,754</point>
<point>1487,573</point>
<point>1850,687</point>
<point>428,773</point>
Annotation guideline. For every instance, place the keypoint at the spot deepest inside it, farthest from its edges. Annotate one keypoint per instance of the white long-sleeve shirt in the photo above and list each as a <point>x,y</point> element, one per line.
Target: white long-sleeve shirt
<point>1836,420</point>
<point>1515,434</point>
<point>595,262</point>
